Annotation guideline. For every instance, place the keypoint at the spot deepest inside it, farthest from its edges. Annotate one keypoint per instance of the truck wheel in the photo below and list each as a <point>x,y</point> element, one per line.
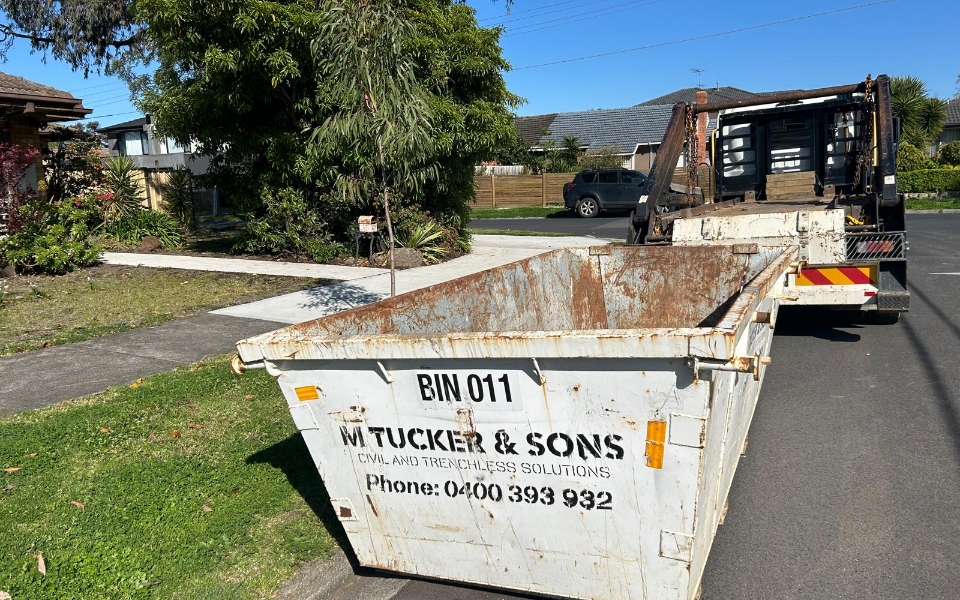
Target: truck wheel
<point>588,208</point>
<point>632,229</point>
<point>881,317</point>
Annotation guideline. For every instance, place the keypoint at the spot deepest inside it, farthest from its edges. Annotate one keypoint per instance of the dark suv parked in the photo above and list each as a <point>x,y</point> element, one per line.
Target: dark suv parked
<point>593,191</point>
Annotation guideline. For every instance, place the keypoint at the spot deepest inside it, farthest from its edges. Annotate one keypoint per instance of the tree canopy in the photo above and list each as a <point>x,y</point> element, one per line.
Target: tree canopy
<point>89,35</point>
<point>921,116</point>
<point>275,89</point>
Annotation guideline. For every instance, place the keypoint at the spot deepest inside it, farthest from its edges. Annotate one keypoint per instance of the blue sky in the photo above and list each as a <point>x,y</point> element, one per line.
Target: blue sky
<point>898,37</point>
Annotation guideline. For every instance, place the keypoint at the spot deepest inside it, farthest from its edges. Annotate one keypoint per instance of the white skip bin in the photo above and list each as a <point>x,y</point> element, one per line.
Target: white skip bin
<point>566,425</point>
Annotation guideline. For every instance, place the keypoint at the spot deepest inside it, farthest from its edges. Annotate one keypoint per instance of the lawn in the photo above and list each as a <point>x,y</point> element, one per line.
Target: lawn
<point>933,203</point>
<point>41,311</point>
<point>192,484</point>
<point>520,212</point>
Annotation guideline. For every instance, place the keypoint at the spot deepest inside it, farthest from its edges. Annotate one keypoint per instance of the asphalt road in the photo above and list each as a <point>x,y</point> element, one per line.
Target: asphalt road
<point>613,227</point>
<point>851,483</point>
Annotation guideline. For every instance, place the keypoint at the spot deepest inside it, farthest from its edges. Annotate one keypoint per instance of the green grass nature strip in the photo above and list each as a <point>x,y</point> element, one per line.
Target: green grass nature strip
<point>520,212</point>
<point>192,484</point>
<point>933,204</point>
<point>51,310</point>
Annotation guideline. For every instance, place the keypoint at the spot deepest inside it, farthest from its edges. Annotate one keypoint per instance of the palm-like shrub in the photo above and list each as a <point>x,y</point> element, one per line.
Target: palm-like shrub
<point>124,194</point>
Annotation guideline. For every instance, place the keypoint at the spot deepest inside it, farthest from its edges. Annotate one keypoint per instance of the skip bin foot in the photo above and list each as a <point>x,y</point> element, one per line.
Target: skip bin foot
<point>723,512</point>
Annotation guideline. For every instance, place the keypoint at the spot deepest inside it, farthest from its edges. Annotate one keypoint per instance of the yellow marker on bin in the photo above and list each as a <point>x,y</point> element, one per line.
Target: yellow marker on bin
<point>656,436</point>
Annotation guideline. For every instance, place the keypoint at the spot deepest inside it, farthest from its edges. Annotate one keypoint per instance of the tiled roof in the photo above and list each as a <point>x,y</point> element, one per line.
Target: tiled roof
<point>133,125</point>
<point>531,128</point>
<point>620,127</point>
<point>11,84</point>
<point>689,95</point>
<point>953,113</point>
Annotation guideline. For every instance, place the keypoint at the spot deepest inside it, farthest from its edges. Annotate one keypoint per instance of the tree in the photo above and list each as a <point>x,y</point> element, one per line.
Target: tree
<point>73,167</point>
<point>242,78</point>
<point>89,35</point>
<point>921,117</point>
<point>382,113</point>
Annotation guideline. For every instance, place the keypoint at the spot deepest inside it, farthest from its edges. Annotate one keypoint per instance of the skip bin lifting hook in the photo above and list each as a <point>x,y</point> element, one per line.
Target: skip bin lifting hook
<point>739,364</point>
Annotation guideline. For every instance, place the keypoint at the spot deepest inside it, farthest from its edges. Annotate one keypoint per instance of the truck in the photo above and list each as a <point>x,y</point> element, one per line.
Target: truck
<point>815,169</point>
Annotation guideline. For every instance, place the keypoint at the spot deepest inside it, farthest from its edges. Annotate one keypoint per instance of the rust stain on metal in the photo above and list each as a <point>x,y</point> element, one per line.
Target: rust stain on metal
<point>346,513</point>
<point>576,388</point>
<point>372,507</point>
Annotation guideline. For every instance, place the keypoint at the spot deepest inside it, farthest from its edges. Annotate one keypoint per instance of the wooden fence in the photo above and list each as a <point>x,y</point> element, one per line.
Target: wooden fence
<point>494,191</point>
<point>502,191</point>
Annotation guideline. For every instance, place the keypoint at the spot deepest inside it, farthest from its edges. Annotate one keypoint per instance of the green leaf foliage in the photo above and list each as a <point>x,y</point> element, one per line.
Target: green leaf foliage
<point>124,193</point>
<point>950,154</point>
<point>929,180</point>
<point>266,85</point>
<point>911,158</point>
<point>921,116</point>
<point>178,197</point>
<point>54,237</point>
<point>133,227</point>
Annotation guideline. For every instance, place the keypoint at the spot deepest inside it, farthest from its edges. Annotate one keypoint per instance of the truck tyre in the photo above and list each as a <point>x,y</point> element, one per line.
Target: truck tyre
<point>881,317</point>
<point>588,207</point>
<point>632,229</point>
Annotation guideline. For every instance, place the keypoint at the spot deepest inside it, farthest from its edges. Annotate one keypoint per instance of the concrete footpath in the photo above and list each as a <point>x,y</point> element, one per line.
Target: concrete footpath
<point>237,265</point>
<point>44,377</point>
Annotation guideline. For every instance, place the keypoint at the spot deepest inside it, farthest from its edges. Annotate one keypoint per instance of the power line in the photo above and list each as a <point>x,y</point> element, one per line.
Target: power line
<point>520,12</point>
<point>581,17</point>
<point>549,12</point>
<point>94,87</point>
<point>133,112</point>
<point>705,36</point>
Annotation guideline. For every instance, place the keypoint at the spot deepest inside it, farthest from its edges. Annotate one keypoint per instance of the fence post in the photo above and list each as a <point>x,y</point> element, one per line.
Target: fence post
<point>493,190</point>
<point>543,189</point>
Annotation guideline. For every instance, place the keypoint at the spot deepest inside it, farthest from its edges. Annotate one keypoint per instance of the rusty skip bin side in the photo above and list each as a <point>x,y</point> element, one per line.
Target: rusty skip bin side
<point>570,302</point>
<point>566,425</point>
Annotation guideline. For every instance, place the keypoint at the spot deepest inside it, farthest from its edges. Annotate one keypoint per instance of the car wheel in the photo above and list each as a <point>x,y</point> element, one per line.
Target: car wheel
<point>588,208</point>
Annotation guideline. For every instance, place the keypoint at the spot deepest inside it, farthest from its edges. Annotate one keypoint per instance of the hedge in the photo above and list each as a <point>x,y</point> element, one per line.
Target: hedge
<point>929,180</point>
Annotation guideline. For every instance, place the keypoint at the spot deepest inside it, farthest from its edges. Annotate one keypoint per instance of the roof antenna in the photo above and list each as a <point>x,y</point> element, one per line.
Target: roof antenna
<point>698,70</point>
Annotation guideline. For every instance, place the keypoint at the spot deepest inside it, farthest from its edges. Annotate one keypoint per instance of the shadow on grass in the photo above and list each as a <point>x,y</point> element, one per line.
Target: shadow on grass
<point>292,457</point>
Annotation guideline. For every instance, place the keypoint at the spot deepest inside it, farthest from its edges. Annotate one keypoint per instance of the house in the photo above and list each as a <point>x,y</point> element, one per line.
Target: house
<point>634,132</point>
<point>689,96</point>
<point>155,157</point>
<point>951,128</point>
<point>26,107</point>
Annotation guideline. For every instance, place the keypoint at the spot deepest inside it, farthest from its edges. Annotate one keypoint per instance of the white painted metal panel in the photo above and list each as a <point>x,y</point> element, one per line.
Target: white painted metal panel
<point>818,233</point>
<point>494,460</point>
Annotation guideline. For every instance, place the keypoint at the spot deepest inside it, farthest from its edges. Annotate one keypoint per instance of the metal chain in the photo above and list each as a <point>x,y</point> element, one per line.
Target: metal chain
<point>691,152</point>
<point>865,144</point>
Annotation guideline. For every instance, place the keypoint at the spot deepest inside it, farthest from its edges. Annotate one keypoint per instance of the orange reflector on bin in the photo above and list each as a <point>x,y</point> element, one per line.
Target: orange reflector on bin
<point>308,392</point>
<point>656,436</point>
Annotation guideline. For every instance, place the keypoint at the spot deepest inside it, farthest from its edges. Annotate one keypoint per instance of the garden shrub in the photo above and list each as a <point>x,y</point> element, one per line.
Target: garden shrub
<point>911,158</point>
<point>132,228</point>
<point>288,224</point>
<point>53,237</point>
<point>124,194</point>
<point>929,180</point>
<point>950,155</point>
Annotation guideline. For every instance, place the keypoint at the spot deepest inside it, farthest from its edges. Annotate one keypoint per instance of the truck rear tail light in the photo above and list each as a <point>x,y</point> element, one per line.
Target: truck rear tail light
<point>872,247</point>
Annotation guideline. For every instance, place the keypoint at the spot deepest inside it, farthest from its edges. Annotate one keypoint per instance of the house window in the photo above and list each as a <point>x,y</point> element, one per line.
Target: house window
<point>170,146</point>
<point>133,143</point>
